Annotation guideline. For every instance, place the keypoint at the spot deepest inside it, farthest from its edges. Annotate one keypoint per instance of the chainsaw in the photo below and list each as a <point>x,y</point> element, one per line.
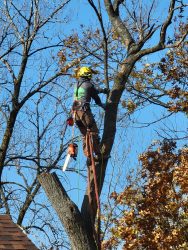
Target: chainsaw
<point>72,152</point>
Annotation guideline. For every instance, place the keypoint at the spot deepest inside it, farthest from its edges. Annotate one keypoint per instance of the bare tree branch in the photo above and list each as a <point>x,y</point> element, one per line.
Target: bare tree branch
<point>118,25</point>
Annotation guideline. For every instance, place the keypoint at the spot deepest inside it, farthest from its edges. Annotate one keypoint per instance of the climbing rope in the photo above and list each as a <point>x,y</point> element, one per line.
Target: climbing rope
<point>90,142</point>
<point>73,153</point>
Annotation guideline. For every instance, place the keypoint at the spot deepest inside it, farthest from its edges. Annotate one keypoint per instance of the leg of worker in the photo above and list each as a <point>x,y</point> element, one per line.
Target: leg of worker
<point>89,121</point>
<point>83,129</point>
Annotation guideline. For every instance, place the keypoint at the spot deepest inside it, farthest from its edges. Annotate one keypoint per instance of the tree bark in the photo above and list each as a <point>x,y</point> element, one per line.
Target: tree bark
<point>6,139</point>
<point>68,212</point>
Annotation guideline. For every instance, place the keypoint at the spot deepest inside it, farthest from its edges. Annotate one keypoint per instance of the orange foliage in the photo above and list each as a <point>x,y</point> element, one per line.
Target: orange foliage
<point>164,82</point>
<point>155,215</point>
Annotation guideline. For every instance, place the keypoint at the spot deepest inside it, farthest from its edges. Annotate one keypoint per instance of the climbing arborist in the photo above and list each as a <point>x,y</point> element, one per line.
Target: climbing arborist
<point>83,92</point>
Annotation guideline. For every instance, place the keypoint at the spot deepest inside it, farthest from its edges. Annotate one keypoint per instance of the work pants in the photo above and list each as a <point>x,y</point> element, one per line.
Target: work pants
<point>86,123</point>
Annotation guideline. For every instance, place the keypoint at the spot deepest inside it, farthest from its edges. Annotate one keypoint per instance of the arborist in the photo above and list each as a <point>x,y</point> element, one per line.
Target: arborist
<point>84,91</point>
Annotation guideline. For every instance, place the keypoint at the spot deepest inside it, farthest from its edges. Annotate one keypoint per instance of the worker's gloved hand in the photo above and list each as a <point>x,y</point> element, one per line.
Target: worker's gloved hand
<point>103,105</point>
<point>105,91</point>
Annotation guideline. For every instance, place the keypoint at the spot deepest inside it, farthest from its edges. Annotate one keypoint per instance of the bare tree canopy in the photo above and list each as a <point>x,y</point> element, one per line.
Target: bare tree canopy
<point>40,52</point>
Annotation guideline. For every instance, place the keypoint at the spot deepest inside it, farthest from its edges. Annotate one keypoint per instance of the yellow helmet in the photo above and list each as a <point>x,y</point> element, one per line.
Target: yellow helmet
<point>85,72</point>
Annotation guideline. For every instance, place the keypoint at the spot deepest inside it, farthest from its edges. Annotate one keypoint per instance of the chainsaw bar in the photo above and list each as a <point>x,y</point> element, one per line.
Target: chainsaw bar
<point>67,160</point>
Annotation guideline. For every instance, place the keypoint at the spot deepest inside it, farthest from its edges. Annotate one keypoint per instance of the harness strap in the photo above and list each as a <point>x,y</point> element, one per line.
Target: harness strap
<point>77,87</point>
<point>78,104</point>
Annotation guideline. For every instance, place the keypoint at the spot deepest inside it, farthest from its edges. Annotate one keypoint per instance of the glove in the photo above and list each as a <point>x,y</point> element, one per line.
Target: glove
<point>105,91</point>
<point>103,105</point>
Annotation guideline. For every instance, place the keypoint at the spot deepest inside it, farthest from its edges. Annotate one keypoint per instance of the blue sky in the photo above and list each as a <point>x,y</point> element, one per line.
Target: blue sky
<point>131,139</point>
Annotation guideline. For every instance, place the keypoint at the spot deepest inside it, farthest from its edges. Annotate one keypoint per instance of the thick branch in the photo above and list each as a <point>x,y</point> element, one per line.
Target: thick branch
<point>118,24</point>
<point>6,138</point>
<point>29,199</point>
<point>167,23</point>
<point>161,44</point>
<point>4,200</point>
<point>53,13</point>
<point>15,28</point>
<point>9,68</point>
<point>116,5</point>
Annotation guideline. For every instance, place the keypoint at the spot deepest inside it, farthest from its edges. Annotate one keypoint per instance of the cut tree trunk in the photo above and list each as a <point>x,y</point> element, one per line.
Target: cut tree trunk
<point>68,212</point>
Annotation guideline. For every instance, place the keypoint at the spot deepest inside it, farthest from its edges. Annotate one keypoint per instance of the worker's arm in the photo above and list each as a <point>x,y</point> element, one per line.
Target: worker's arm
<point>102,91</point>
<point>99,90</point>
<point>95,96</point>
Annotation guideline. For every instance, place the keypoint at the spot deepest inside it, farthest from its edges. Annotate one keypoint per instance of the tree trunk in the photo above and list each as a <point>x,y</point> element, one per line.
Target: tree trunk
<point>68,212</point>
<point>6,139</point>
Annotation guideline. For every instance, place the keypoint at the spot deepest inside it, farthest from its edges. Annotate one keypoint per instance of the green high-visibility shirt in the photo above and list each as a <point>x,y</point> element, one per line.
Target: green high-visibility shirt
<point>84,90</point>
